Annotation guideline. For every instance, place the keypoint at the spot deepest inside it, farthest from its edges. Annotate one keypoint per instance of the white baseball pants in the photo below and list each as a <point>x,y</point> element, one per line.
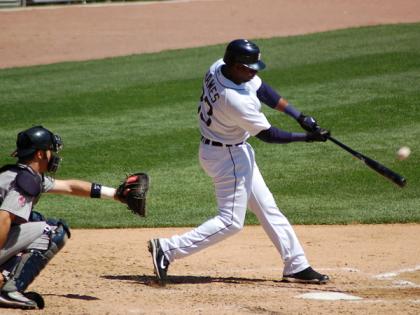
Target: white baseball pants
<point>238,184</point>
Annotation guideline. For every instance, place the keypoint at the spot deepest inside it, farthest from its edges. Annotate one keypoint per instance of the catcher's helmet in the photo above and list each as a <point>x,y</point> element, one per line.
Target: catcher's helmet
<point>244,52</point>
<point>36,138</point>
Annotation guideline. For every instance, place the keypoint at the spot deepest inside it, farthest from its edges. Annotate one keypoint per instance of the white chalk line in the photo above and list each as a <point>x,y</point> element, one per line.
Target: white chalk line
<point>328,296</point>
<point>393,274</point>
<point>390,275</point>
<point>405,284</point>
<point>340,296</point>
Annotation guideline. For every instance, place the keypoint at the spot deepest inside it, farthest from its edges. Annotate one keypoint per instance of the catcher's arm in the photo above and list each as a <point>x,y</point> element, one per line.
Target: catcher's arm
<point>82,188</point>
<point>132,191</point>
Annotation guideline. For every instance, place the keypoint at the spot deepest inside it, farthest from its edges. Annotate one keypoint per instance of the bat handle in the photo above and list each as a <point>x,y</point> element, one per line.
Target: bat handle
<point>342,145</point>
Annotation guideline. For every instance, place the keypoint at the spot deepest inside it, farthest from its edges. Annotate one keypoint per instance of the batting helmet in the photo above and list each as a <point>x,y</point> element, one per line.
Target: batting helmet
<point>36,138</point>
<point>244,52</point>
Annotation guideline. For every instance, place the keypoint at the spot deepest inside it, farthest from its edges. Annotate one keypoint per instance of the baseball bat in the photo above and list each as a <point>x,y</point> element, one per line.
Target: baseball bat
<point>376,166</point>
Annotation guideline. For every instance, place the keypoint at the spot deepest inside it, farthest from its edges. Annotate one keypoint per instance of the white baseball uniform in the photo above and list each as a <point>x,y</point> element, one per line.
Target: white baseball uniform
<point>228,115</point>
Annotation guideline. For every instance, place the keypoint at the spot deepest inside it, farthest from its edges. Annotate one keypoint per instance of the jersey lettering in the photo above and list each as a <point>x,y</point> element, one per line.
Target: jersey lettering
<point>211,87</point>
<point>227,112</point>
<point>208,97</point>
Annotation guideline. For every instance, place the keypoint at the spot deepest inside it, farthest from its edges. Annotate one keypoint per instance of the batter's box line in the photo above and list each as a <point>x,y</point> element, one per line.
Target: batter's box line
<point>392,274</point>
<point>404,284</point>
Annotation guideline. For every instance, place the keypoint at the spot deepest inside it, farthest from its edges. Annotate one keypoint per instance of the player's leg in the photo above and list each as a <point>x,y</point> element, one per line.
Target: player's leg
<point>280,231</point>
<point>30,262</point>
<point>276,225</point>
<point>231,172</point>
<point>20,237</point>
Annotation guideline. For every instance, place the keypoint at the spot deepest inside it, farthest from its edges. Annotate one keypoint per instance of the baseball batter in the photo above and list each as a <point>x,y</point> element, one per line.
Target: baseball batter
<point>229,112</point>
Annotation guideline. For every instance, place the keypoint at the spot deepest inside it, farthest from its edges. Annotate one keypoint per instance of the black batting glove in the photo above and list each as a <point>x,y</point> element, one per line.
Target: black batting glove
<point>307,122</point>
<point>319,134</point>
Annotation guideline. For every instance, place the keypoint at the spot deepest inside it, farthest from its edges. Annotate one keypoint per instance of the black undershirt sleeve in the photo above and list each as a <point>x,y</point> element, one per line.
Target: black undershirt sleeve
<point>267,95</point>
<point>275,135</point>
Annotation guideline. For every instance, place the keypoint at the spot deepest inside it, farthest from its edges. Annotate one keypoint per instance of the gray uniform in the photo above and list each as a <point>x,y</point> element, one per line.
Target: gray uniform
<point>23,234</point>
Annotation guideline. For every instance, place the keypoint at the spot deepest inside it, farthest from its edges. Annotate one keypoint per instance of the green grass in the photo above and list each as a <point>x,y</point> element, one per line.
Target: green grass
<point>138,113</point>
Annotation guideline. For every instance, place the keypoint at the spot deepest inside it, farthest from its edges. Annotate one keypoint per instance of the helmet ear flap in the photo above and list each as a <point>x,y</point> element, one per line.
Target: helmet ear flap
<point>24,146</point>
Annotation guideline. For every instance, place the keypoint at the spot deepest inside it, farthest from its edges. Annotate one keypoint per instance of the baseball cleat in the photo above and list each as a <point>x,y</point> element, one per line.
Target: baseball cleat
<point>36,297</point>
<point>16,300</point>
<point>160,263</point>
<point>307,275</point>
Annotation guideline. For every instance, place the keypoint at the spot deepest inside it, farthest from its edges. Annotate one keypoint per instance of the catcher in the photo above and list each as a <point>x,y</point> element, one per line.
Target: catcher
<point>28,240</point>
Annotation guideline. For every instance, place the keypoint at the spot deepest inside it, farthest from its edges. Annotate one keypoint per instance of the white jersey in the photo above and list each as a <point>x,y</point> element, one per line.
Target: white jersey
<point>229,113</point>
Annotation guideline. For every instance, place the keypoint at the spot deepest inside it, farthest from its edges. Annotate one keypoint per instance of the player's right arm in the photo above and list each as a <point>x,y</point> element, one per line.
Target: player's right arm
<point>6,219</point>
<point>81,188</point>
<point>71,187</point>
<point>269,96</point>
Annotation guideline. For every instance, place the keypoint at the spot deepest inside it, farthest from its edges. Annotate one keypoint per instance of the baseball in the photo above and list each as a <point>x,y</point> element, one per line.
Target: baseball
<point>403,153</point>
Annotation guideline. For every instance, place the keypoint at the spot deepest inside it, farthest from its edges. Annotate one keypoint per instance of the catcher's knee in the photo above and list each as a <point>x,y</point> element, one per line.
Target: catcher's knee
<point>58,236</point>
<point>29,264</point>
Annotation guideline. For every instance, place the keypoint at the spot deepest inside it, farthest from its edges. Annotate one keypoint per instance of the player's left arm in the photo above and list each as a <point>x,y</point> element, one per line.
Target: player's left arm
<point>272,98</point>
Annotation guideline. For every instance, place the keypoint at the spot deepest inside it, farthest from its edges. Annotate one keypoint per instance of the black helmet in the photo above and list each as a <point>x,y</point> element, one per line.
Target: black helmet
<point>244,52</point>
<point>36,138</point>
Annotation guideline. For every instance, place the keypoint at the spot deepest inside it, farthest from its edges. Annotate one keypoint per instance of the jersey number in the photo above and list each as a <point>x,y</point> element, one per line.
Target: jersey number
<point>206,115</point>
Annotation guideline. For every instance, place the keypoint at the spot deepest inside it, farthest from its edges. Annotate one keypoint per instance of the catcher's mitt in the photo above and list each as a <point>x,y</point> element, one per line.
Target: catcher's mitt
<point>132,192</point>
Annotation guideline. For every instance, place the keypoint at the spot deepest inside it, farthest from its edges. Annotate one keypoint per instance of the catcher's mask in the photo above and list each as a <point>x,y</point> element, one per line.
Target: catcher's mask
<point>244,52</point>
<point>39,138</point>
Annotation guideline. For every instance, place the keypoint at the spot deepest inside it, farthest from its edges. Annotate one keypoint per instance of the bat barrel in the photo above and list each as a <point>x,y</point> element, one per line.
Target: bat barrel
<point>374,165</point>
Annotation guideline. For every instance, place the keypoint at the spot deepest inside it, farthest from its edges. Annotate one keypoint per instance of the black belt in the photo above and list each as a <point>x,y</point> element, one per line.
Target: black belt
<point>218,144</point>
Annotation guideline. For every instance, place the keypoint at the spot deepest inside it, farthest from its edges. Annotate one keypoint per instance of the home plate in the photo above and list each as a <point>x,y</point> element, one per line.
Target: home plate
<point>328,296</point>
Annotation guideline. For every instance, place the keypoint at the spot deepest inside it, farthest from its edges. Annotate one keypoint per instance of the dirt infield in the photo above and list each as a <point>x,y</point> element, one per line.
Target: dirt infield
<point>40,36</point>
<point>110,271</point>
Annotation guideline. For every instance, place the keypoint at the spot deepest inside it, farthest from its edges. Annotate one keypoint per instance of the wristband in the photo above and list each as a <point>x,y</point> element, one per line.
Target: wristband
<point>95,190</point>
<point>99,191</point>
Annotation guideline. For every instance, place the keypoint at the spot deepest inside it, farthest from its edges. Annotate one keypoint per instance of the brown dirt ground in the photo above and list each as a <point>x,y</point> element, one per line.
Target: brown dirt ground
<point>45,35</point>
<point>110,271</point>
